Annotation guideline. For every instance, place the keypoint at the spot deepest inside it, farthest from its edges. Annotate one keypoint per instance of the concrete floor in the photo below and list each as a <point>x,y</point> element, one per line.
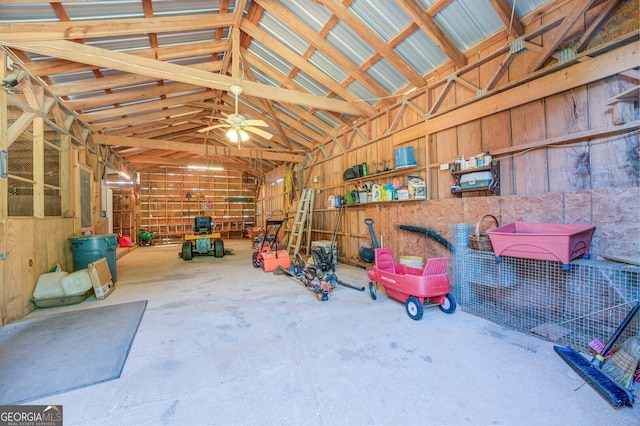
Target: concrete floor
<point>224,343</point>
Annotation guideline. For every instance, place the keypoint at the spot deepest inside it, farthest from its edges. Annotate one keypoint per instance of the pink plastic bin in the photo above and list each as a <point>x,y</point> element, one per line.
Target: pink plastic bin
<point>542,241</point>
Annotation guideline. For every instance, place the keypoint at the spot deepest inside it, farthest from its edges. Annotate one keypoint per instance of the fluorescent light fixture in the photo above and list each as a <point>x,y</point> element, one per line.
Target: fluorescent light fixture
<point>237,135</point>
<point>119,182</point>
<point>279,180</point>
<point>124,175</point>
<point>205,168</point>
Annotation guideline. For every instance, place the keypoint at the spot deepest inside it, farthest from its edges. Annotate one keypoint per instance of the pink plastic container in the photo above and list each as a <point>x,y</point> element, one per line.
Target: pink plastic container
<point>542,241</point>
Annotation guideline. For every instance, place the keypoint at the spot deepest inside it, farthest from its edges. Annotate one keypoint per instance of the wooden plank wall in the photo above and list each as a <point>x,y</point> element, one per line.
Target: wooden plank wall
<point>34,247</point>
<point>570,182</point>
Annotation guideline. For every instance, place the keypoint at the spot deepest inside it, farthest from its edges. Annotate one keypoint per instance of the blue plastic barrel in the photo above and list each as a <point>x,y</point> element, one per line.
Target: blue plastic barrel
<point>89,248</point>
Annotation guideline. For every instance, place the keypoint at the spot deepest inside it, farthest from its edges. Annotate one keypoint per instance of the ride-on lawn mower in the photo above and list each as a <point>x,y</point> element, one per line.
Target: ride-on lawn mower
<point>204,241</point>
<point>145,238</point>
<point>266,254</point>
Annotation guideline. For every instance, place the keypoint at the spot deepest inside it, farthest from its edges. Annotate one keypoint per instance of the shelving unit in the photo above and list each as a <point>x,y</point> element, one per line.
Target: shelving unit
<point>170,199</point>
<point>492,188</point>
<point>377,177</point>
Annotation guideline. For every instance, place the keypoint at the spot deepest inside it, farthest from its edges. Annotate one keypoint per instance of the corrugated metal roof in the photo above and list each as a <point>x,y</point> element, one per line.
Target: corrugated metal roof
<point>283,33</point>
<point>349,43</point>
<point>465,22</point>
<point>309,12</point>
<point>421,52</point>
<point>385,18</point>
<point>387,76</point>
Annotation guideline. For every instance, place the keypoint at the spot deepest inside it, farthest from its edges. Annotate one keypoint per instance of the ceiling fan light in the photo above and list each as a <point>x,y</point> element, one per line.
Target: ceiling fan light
<point>237,135</point>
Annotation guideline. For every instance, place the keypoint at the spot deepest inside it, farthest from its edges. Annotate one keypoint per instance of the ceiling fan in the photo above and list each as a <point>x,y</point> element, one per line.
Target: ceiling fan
<point>238,125</point>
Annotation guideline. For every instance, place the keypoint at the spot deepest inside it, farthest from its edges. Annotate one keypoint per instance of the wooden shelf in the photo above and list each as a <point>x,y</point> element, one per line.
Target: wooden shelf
<point>394,172</point>
<point>492,188</point>
<point>384,202</point>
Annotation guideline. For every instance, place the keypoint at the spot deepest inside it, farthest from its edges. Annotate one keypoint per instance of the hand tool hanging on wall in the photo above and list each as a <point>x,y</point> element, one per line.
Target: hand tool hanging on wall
<point>431,233</point>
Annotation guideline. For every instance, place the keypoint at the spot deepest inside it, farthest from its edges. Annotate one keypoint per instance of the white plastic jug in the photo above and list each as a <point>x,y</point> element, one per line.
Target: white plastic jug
<point>331,202</point>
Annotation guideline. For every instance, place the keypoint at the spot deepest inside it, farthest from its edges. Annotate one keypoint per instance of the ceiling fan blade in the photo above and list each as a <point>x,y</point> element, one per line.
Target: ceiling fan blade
<point>259,123</point>
<point>206,129</point>
<point>258,132</point>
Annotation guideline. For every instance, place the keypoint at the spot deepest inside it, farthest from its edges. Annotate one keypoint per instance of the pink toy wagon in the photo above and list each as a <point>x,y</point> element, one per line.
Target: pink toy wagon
<point>413,286</point>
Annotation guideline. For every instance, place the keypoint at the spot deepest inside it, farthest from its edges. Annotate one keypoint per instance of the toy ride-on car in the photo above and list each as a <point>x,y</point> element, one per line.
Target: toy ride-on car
<point>203,242</point>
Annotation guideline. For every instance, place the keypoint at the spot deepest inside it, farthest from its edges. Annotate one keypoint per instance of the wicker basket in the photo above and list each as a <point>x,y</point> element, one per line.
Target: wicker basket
<point>480,241</point>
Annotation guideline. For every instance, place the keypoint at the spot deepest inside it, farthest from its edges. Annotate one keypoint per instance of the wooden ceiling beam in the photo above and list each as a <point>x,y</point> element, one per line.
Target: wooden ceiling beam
<point>114,27</point>
<point>127,96</point>
<point>124,80</point>
<point>303,30</point>
<point>142,107</point>
<point>49,67</point>
<point>270,71</point>
<point>514,26</point>
<point>156,116</point>
<point>370,37</point>
<point>162,70</point>
<point>293,58</point>
<point>553,39</point>
<point>192,148</point>
<point>171,161</point>
<point>439,38</point>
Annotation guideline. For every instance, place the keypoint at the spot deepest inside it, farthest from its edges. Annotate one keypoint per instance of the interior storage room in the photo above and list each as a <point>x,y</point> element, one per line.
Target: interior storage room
<point>320,212</point>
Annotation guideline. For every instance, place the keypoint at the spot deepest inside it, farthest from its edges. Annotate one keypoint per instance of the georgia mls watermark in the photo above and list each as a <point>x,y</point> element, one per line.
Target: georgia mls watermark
<point>30,415</point>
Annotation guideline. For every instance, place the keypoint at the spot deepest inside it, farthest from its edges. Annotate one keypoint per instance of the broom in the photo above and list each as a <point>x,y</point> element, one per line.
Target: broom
<point>622,365</point>
<point>591,372</point>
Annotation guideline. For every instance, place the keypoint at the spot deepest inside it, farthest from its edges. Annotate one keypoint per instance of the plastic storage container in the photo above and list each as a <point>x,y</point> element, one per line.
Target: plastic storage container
<point>542,241</point>
<point>48,285</point>
<point>77,282</point>
<point>89,248</point>
<point>405,157</point>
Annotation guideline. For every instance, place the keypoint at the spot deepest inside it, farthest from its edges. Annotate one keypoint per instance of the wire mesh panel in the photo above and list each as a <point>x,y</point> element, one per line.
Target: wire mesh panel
<point>20,182</point>
<point>52,196</point>
<point>567,307</point>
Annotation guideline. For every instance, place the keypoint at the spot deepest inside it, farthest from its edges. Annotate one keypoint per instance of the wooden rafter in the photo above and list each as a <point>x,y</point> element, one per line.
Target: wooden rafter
<point>158,69</point>
<point>343,13</point>
<point>194,148</point>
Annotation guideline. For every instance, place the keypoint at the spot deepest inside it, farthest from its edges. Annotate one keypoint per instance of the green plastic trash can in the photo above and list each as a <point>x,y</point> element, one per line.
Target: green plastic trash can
<point>89,248</point>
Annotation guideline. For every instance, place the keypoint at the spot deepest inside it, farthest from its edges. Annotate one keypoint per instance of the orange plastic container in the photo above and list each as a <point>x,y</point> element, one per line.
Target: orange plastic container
<point>272,259</point>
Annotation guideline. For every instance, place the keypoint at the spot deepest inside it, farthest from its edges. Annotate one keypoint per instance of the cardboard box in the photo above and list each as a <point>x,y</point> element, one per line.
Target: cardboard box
<point>100,275</point>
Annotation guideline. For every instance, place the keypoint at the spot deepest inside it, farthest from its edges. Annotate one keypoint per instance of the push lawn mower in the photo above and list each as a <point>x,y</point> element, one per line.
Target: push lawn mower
<point>266,254</point>
<point>204,241</point>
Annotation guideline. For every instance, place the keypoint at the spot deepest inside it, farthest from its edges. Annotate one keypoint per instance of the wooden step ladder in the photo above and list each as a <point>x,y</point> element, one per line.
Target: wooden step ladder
<point>302,222</point>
